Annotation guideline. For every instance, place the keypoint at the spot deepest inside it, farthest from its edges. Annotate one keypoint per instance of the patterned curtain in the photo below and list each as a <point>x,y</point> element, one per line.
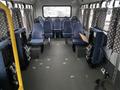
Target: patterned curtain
<point>80,14</point>
<point>113,28</point>
<point>116,46</point>
<point>99,17</point>
<point>3,25</point>
<point>86,18</point>
<point>28,19</point>
<point>17,18</point>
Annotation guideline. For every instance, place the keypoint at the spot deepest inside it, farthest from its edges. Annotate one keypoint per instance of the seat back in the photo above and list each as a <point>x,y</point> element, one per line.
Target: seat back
<point>37,21</point>
<point>62,22</point>
<point>50,20</point>
<point>74,18</point>
<point>47,26</point>
<point>57,24</point>
<point>77,28</point>
<point>67,26</point>
<point>37,32</point>
<point>41,21</point>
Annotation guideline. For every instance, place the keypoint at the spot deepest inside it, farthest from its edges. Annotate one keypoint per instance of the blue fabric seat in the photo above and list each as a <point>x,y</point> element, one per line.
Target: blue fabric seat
<point>100,43</point>
<point>48,28</point>
<point>76,29</point>
<point>76,39</point>
<point>41,20</point>
<point>67,31</point>
<point>57,24</point>
<point>74,18</point>
<point>37,32</point>
<point>79,42</point>
<point>36,42</point>
<point>37,37</point>
<point>57,30</point>
<point>62,22</point>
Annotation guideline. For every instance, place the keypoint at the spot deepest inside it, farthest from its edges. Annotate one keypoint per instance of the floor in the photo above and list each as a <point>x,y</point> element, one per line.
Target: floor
<point>59,68</point>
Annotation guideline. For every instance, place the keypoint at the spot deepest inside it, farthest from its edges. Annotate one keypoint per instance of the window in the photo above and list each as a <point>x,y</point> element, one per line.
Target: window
<point>93,6</point>
<point>117,3</point>
<point>108,19</point>
<point>91,18</point>
<point>57,11</point>
<point>4,2</point>
<point>104,4</point>
<point>82,15</point>
<point>108,16</point>
<point>9,4</point>
<point>31,7</point>
<point>97,5</point>
<point>16,5</point>
<point>22,6</point>
<point>86,6</point>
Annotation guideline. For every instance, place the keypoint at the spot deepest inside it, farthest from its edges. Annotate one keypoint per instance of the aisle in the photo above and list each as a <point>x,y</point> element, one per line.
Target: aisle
<point>58,68</point>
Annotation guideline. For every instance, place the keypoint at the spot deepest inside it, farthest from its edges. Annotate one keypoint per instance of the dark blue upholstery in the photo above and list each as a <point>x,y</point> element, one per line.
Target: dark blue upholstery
<point>79,42</point>
<point>36,42</point>
<point>57,30</point>
<point>57,24</point>
<point>67,31</point>
<point>41,20</point>
<point>37,34</point>
<point>38,31</point>
<point>74,19</point>
<point>76,29</point>
<point>50,19</point>
<point>98,52</point>
<point>62,22</point>
<point>48,28</point>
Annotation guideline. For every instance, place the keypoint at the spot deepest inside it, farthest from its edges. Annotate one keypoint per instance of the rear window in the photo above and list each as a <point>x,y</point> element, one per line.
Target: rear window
<point>57,11</point>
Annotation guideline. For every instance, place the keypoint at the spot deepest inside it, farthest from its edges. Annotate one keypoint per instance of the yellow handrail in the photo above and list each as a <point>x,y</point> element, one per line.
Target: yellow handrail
<point>14,46</point>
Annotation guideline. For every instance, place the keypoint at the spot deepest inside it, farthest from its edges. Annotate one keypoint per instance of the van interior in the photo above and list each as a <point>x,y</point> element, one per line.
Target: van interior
<point>59,44</point>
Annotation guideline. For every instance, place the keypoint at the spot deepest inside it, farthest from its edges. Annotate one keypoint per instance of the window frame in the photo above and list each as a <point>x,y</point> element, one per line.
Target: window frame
<point>57,6</point>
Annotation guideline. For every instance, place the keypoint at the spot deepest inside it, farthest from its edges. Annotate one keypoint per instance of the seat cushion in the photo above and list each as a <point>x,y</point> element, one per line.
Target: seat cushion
<point>47,35</point>
<point>36,42</point>
<point>67,35</point>
<point>79,42</point>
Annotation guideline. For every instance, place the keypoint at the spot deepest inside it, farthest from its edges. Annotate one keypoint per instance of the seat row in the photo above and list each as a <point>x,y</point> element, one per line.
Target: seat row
<point>48,28</point>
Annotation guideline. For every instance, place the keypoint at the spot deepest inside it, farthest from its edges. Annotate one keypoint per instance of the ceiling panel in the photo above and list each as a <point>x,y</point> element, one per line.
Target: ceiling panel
<point>26,1</point>
<point>57,1</point>
<point>88,1</point>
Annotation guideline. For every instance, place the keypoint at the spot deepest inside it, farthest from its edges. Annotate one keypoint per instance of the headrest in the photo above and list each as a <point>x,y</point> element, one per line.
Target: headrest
<point>47,18</point>
<point>36,20</point>
<point>74,18</point>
